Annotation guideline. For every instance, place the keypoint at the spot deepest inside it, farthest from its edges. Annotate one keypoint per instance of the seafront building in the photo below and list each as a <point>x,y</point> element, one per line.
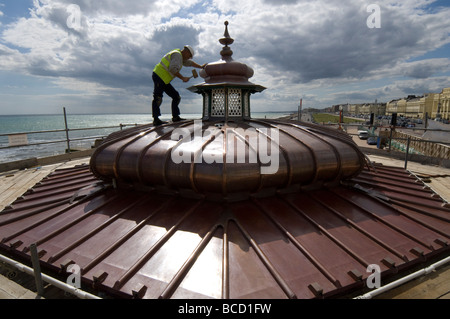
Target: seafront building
<point>436,105</point>
<point>366,109</point>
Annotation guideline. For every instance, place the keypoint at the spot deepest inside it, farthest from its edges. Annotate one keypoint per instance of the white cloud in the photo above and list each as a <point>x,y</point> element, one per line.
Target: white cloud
<point>297,48</point>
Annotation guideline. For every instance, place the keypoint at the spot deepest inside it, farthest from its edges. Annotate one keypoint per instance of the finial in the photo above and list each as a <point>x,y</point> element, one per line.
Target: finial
<point>226,40</point>
<point>226,34</point>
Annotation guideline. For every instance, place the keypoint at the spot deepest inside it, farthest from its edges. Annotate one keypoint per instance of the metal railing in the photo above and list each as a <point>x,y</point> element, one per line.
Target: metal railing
<point>20,139</point>
<point>40,277</point>
<point>67,139</point>
<point>395,137</point>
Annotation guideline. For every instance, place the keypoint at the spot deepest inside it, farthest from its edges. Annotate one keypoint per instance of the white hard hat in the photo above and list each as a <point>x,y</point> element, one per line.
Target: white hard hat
<point>190,49</point>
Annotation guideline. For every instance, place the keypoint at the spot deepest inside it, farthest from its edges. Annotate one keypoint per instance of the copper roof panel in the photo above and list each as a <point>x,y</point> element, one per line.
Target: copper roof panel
<point>297,244</point>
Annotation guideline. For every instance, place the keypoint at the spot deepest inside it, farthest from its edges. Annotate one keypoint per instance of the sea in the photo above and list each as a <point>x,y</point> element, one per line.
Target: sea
<point>28,136</point>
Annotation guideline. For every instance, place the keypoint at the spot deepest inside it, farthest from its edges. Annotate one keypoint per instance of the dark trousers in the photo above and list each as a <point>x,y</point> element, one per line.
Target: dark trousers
<point>159,89</point>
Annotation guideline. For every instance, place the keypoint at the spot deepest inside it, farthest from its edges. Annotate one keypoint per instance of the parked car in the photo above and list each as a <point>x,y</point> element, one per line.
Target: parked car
<point>372,140</point>
<point>363,135</point>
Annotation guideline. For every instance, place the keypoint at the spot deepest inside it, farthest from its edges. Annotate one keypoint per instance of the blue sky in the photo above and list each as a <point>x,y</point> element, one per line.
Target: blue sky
<point>97,56</point>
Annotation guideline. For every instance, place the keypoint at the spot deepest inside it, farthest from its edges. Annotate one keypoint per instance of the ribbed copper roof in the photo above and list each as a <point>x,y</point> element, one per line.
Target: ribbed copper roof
<point>305,244</point>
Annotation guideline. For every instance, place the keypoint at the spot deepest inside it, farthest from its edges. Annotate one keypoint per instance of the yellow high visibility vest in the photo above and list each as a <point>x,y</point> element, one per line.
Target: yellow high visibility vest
<point>162,68</point>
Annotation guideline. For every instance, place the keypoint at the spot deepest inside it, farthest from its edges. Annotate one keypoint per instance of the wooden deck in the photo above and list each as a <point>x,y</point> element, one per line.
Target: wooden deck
<point>15,183</point>
<point>17,285</point>
<point>10,289</point>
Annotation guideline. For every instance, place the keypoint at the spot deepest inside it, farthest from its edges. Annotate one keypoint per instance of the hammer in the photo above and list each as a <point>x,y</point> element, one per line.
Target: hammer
<point>194,74</point>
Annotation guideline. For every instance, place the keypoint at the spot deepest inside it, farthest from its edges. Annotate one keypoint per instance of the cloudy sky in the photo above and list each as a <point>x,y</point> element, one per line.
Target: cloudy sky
<point>97,56</point>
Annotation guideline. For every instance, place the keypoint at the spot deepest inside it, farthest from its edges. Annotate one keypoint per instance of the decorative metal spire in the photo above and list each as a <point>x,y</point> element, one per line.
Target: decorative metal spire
<point>226,52</point>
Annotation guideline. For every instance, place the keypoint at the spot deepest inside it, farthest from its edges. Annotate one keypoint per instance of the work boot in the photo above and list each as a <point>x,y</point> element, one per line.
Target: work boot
<point>157,122</point>
<point>177,119</point>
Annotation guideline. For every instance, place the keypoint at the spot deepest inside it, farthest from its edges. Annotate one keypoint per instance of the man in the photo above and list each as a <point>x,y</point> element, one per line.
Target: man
<point>163,73</point>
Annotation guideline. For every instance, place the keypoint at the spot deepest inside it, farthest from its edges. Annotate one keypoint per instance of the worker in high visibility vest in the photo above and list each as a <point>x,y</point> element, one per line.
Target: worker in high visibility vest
<point>163,73</point>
